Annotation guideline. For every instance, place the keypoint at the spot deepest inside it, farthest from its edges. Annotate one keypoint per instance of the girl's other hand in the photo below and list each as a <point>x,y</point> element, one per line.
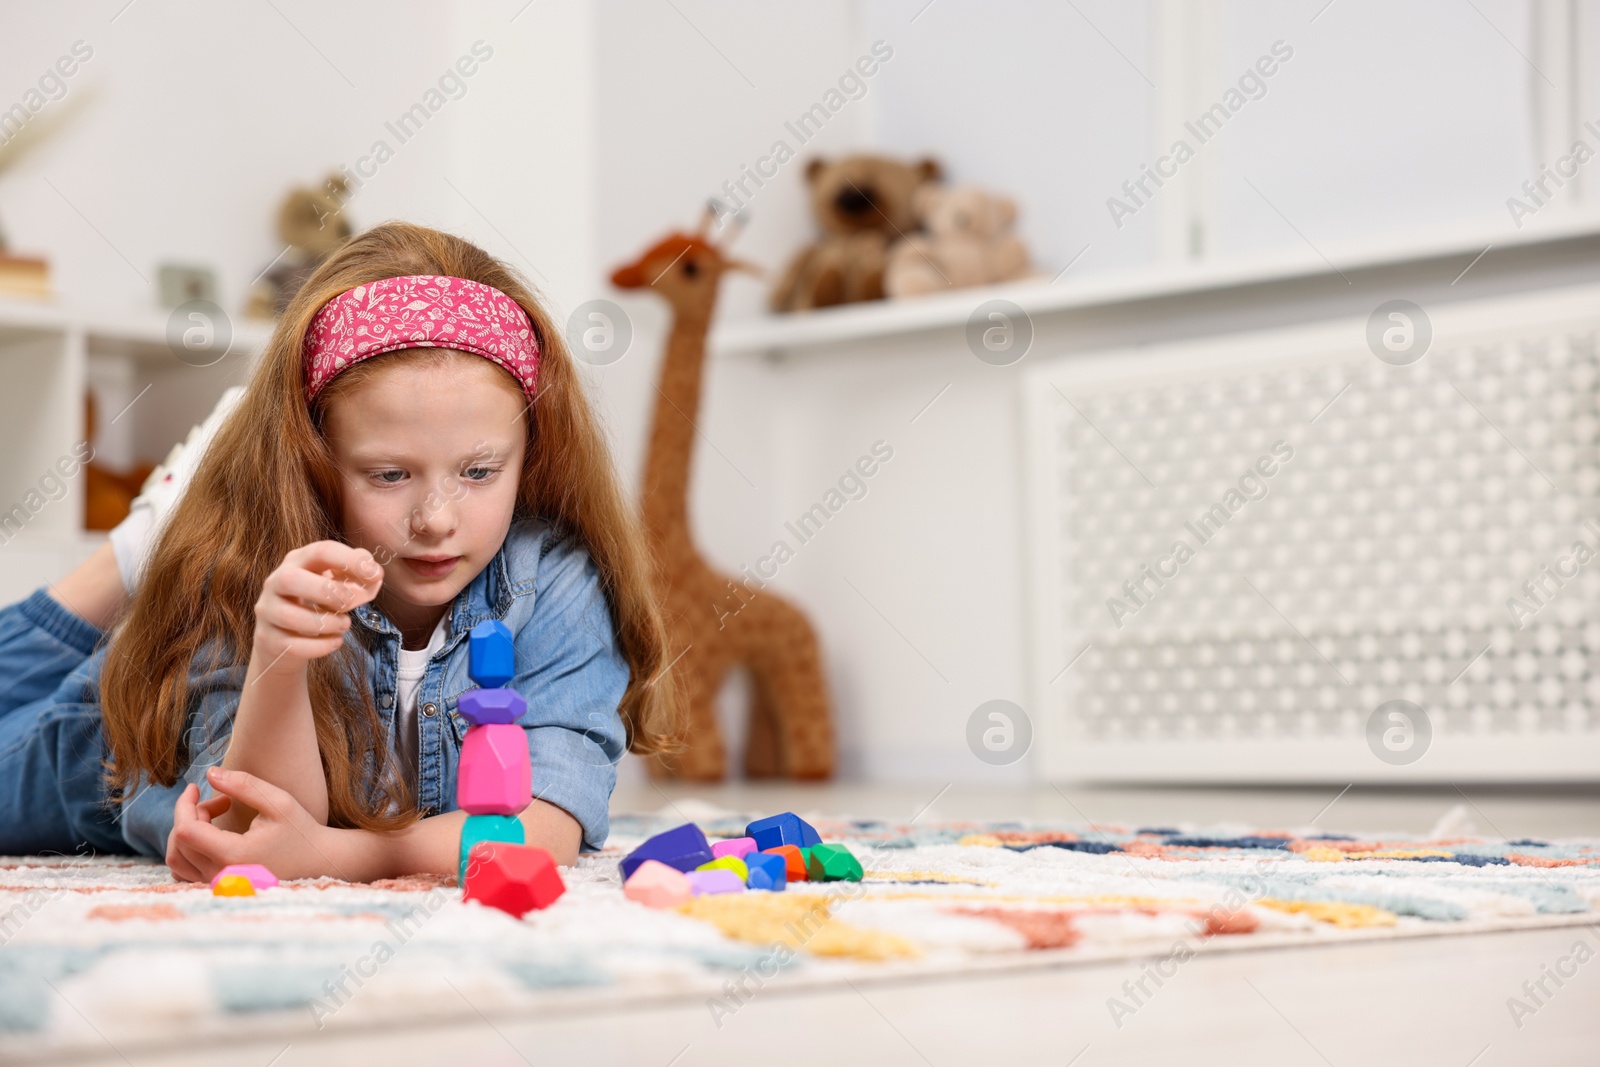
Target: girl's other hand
<point>302,613</point>
<point>283,837</point>
<point>190,808</point>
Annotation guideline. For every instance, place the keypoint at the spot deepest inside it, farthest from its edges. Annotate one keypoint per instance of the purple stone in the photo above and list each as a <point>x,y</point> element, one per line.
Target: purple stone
<point>720,880</point>
<point>490,707</point>
<point>683,847</point>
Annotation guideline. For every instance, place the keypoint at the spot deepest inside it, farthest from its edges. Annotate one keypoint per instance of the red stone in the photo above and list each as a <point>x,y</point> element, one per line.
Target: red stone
<point>514,878</point>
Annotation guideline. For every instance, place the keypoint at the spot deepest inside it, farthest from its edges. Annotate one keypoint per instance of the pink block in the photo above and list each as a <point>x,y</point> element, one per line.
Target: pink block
<point>656,885</point>
<point>258,876</point>
<point>495,776</point>
<point>738,847</point>
<point>720,880</point>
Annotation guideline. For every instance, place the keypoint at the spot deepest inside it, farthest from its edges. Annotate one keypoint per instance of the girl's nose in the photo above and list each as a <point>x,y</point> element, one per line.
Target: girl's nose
<point>434,517</point>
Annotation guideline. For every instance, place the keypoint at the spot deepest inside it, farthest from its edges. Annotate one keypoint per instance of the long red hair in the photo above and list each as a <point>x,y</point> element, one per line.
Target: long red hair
<point>268,484</point>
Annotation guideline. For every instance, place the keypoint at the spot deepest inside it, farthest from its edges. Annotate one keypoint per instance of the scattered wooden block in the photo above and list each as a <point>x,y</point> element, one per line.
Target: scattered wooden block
<point>720,880</point>
<point>832,863</point>
<point>655,885</point>
<point>738,846</point>
<point>514,878</point>
<point>491,661</point>
<point>683,847</point>
<point>480,828</point>
<point>258,876</point>
<point>233,885</point>
<point>495,776</point>
<point>727,863</point>
<point>794,863</point>
<point>785,829</point>
<point>767,870</point>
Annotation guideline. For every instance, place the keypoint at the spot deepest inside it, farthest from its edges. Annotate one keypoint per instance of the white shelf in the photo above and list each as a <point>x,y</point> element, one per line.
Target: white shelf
<point>141,333</point>
<point>771,335</point>
<point>50,354</point>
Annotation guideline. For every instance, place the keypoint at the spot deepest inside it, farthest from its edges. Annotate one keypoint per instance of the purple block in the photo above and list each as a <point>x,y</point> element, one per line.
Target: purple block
<point>683,847</point>
<point>738,847</point>
<point>484,707</point>
<point>720,880</point>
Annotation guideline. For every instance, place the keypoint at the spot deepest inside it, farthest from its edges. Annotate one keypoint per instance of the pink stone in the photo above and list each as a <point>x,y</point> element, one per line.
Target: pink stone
<point>738,848</point>
<point>258,876</point>
<point>720,880</point>
<point>655,885</point>
<point>495,776</point>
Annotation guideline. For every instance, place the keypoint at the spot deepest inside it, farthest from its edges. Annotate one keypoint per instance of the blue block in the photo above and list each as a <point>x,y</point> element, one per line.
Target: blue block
<point>483,707</point>
<point>785,829</point>
<point>683,848</point>
<point>491,660</point>
<point>767,871</point>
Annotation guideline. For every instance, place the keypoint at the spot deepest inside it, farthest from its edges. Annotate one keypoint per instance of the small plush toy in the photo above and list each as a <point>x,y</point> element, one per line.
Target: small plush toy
<point>311,223</point>
<point>968,241</point>
<point>862,204</point>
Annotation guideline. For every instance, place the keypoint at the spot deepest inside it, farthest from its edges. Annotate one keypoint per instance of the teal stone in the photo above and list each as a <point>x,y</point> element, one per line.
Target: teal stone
<point>480,828</point>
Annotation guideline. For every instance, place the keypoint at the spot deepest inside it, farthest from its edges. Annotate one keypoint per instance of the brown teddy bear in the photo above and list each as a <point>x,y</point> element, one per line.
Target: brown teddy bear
<point>968,241</point>
<point>863,204</point>
<point>312,224</point>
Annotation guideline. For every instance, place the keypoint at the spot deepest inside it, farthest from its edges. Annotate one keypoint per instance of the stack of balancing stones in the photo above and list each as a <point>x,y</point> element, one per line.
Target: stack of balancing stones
<point>494,784</point>
<point>680,863</point>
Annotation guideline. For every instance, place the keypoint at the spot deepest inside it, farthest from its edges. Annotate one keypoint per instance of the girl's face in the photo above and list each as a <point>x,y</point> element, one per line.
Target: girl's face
<point>431,458</point>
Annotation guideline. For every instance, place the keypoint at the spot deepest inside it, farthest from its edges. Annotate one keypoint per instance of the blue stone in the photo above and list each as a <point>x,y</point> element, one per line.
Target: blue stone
<point>491,660</point>
<point>785,829</point>
<point>767,871</point>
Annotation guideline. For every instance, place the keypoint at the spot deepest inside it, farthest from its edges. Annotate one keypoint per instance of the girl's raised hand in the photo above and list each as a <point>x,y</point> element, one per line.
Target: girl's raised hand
<point>302,613</point>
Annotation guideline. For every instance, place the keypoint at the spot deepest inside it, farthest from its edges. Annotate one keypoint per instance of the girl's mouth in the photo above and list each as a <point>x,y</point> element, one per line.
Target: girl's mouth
<point>430,568</point>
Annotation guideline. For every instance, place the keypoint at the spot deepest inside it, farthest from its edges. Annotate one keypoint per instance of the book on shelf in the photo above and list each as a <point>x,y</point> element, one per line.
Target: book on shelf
<point>24,276</point>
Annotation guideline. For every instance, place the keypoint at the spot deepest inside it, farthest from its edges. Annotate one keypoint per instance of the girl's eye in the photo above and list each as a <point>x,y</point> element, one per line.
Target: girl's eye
<point>383,476</point>
<point>485,473</point>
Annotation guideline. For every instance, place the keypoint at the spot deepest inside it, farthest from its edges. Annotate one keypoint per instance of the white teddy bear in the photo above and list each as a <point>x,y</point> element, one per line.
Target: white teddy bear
<point>968,242</point>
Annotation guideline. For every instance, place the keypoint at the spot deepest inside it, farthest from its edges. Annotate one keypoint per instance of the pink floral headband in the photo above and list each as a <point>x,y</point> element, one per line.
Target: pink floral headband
<point>420,311</point>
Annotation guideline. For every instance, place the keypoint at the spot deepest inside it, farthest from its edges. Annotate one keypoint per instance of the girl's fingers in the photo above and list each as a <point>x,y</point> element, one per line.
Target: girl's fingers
<point>291,618</point>
<point>209,847</point>
<point>184,867</point>
<point>210,809</point>
<point>184,810</point>
<point>181,868</point>
<point>260,795</point>
<point>356,564</point>
<point>293,647</point>
<point>325,589</point>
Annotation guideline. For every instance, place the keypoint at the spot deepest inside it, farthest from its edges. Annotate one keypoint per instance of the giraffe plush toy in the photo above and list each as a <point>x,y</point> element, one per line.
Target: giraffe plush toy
<point>791,731</point>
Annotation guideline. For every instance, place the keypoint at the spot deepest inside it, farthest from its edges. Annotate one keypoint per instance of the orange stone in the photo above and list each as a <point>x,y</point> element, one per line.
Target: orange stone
<point>794,864</point>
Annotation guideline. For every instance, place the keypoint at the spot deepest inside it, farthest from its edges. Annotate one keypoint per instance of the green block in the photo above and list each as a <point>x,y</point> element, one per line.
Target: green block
<point>831,863</point>
<point>728,863</point>
<point>480,828</point>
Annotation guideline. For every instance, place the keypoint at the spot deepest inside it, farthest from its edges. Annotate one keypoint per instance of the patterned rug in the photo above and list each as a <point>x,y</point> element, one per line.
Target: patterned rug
<point>96,951</point>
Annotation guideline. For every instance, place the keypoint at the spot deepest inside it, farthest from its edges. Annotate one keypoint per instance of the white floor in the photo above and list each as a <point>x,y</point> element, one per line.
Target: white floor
<point>1427,1001</point>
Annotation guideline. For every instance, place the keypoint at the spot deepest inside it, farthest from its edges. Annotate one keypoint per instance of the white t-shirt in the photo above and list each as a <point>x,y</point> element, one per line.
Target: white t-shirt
<point>408,679</point>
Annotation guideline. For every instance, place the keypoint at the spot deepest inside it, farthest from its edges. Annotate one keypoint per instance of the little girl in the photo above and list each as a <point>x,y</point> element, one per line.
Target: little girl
<point>413,455</point>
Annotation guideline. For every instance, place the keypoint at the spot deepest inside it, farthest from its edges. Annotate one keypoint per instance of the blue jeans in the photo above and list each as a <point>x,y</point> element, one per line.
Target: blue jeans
<point>52,792</point>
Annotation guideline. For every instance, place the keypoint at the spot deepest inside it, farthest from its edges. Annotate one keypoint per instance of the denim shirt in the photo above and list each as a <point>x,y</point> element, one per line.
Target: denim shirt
<point>570,670</point>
